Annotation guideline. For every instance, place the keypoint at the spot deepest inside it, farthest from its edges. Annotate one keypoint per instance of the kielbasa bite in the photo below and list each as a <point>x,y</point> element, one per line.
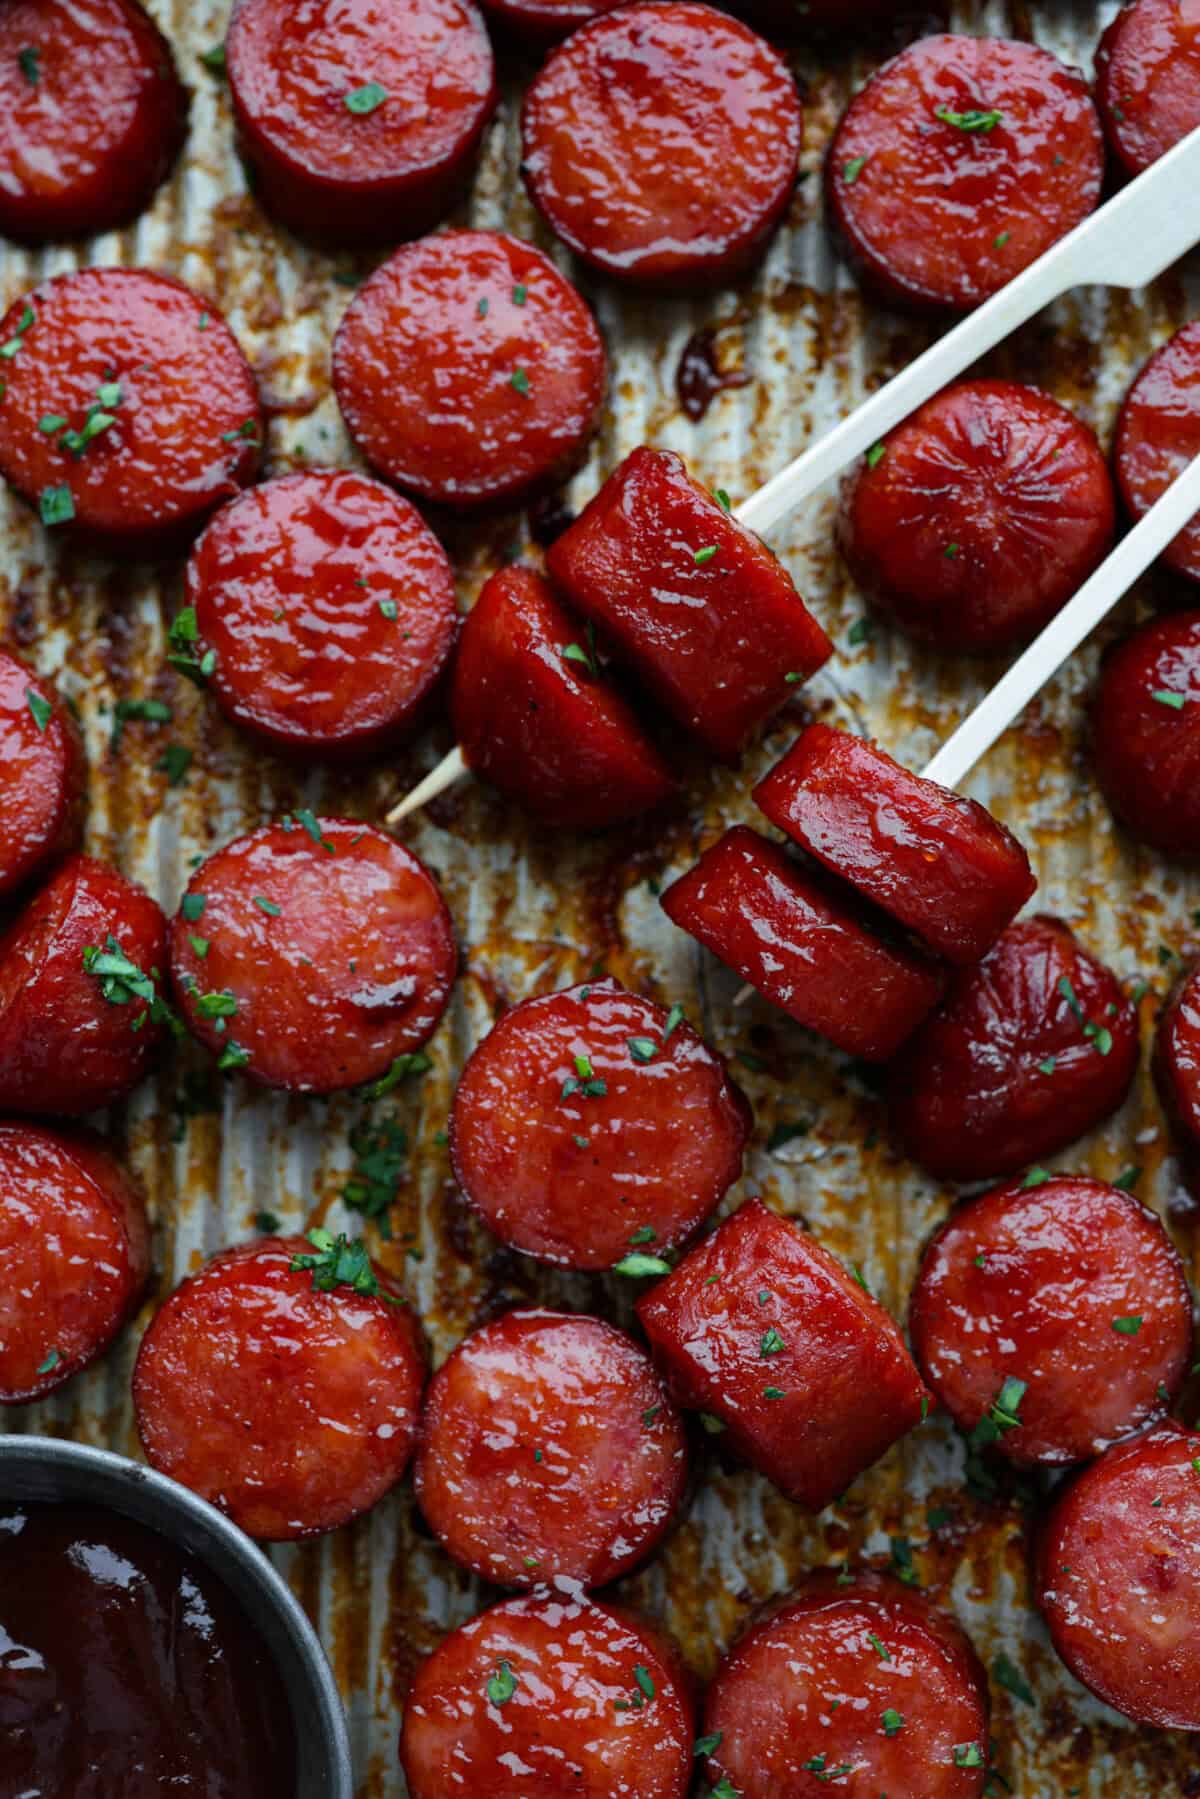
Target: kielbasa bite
<point>42,776</point>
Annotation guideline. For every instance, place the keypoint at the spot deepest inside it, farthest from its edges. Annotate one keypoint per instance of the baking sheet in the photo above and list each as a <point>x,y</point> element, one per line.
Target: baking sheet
<point>534,913</point>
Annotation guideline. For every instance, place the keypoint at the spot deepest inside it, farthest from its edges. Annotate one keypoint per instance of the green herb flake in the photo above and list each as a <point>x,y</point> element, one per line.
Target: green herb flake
<point>968,1755</point>
<point>41,710</point>
<point>1036,1177</point>
<point>379,1158</point>
<point>307,820</point>
<point>1004,1414</point>
<point>879,1648</point>
<point>200,946</point>
<point>700,557</point>
<point>1129,1326</point>
<point>638,1265</point>
<point>853,169</point>
<point>1048,1066</point>
<point>29,62</point>
<point>175,762</point>
<point>876,454</point>
<point>774,1393</point>
<point>49,1364</point>
<point>214,59</point>
<point>999,241</point>
<point>519,380</point>
<point>674,1020</point>
<point>267,906</point>
<point>1176,701</point>
<point>121,980</point>
<point>892,1722</point>
<point>405,1067</point>
<point>860,632</point>
<point>707,1745</point>
<point>973,120</point>
<point>267,1223</point>
<point>645,1681</point>
<point>772,1343</point>
<point>482,308</point>
<point>12,347</point>
<point>340,1262</point>
<point>365,100</point>
<point>520,293</point>
<point>56,505</point>
<point>234,1056</point>
<point>389,609</point>
<point>642,1049</point>
<point>50,422</point>
<point>192,906</point>
<point>1129,1177</point>
<point>722,499</point>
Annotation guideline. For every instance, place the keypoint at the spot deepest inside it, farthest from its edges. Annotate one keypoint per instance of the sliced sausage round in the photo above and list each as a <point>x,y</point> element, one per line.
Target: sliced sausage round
<point>1118,1577</point>
<point>762,1329</point>
<point>958,164</point>
<point>312,953</point>
<point>697,607</point>
<point>42,776</point>
<point>468,369</point>
<point>1070,1289</point>
<point>81,984</point>
<point>1177,1068</point>
<point>329,605</point>
<point>285,1395</point>
<point>1148,80</point>
<point>1158,435</point>
<point>975,521</point>
<point>1030,1049</point>
<point>541,22</point>
<point>75,1249</point>
<point>129,411</point>
<point>868,1685</point>
<point>591,1121</point>
<point>536,715</point>
<point>359,118</point>
<point>800,943</point>
<point>660,143</point>
<point>940,864</point>
<point>92,115</point>
<point>575,1697</point>
<point>549,1450</point>
<point>1146,733</point>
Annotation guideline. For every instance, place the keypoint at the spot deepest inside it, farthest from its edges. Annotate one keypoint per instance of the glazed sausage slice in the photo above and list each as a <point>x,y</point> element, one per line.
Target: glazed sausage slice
<point>1118,1577</point>
<point>1177,1068</point>
<point>867,1686</point>
<point>75,1248</point>
<point>468,369</point>
<point>1070,1289</point>
<point>128,412</point>
<point>591,1122</point>
<point>360,120</point>
<point>1030,1049</point>
<point>975,521</point>
<point>81,1008</point>
<point>1158,434</point>
<point>285,1395</point>
<point>697,606</point>
<point>579,1697</point>
<point>1148,80</point>
<point>1146,733</point>
<point>763,1329</point>
<point>536,716</point>
<point>329,606</point>
<point>42,776</point>
<point>312,953</point>
<point>660,142</point>
<point>799,942</point>
<point>940,864</point>
<point>549,1451</point>
<point>958,164</point>
<point>92,115</point>
<point>541,22</point>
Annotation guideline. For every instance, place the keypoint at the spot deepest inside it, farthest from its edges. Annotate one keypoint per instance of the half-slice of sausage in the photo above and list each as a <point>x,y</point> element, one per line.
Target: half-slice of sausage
<point>549,1450</point>
<point>1068,1297</point>
<point>81,984</point>
<point>660,142</point>
<point>940,864</point>
<point>958,164</point>
<point>867,1686</point>
<point>329,606</point>
<point>42,776</point>
<point>1158,434</point>
<point>1145,736</point>
<point>695,604</point>
<point>1148,80</point>
<point>1177,1068</point>
<point>764,1330</point>
<point>1118,1577</point>
<point>282,1383</point>
<point>540,22</point>
<point>468,369</point>
<point>536,715</point>
<point>1030,1049</point>
<point>361,121</point>
<point>553,1695</point>
<point>803,946</point>
<point>977,519</point>
<point>592,1121</point>
<point>75,1250</point>
<point>312,953</point>
<point>128,410</point>
<point>92,115</point>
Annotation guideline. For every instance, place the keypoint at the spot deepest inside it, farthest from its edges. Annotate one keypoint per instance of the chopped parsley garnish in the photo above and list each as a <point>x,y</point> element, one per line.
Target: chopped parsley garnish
<point>1010,1677</point>
<point>175,762</point>
<point>233,1056</point>
<point>575,652</point>
<point>192,906</point>
<point>1004,1413</point>
<point>860,631</point>
<point>340,1262</point>
<point>902,1562</point>
<point>771,1344</point>
<point>502,1685</point>
<point>876,454</point>
<point>706,1745</point>
<point>1048,1066</point>
<point>12,347</point>
<point>584,1081</point>
<point>519,380</point>
<point>412,1062</point>
<point>644,1680</point>
<point>704,555</point>
<point>642,1049</point>
<point>722,499</point>
<point>216,1005</point>
<point>1177,701</point>
<point>1037,1177</point>
<point>181,654</point>
<point>247,430</point>
<point>56,505</point>
<point>519,294</point>
<point>674,1020</point>
<point>645,1233</point>
<point>482,308</point>
<point>364,100</point>
<point>151,712</point>
<point>853,169</point>
<point>200,946</point>
<point>49,1364</point>
<point>774,1393</point>
<point>893,1723</point>
<point>379,1155</point>
<point>41,710</point>
<point>214,59</point>
<point>267,1223</point>
<point>121,980</point>
<point>1001,238</point>
<point>638,1265</point>
<point>29,62</point>
<point>306,819</point>
<point>267,906</point>
<point>972,120</point>
<point>879,1648</point>
<point>389,609</point>
<point>968,1755</point>
<point>1129,1177</point>
<point>1127,1327</point>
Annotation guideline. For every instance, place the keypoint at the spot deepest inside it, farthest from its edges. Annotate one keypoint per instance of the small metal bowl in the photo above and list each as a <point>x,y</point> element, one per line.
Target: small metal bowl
<point>49,1470</point>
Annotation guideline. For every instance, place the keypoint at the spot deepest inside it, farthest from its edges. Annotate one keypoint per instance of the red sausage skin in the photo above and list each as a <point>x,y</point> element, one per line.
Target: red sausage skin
<point>75,1248</point>
<point>1118,1577</point>
<point>1011,1068</point>
<point>330,606</point>
<point>806,1691</point>
<point>936,214</point>
<point>599,1703</point>
<point>42,776</point>
<point>812,1383</point>
<point>335,159</point>
<point>575,1175</point>
<point>66,1048</point>
<point>701,611</point>
<point>92,115</point>
<point>1158,434</point>
<point>550,1450</point>
<point>802,946</point>
<point>322,951</point>
<point>541,22</point>
<point>291,1410</point>
<point>1148,80</point>
<point>1146,746</point>
<point>546,728</point>
<point>985,512</point>
<point>938,863</point>
<point>1072,1287</point>
<point>1177,1068</point>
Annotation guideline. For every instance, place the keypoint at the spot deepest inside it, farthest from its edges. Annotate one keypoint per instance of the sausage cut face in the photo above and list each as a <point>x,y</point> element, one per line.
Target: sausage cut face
<point>1145,734</point>
<point>42,776</point>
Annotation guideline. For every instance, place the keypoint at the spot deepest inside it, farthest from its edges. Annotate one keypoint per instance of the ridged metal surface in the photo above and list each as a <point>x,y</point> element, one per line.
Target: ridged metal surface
<point>534,913</point>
